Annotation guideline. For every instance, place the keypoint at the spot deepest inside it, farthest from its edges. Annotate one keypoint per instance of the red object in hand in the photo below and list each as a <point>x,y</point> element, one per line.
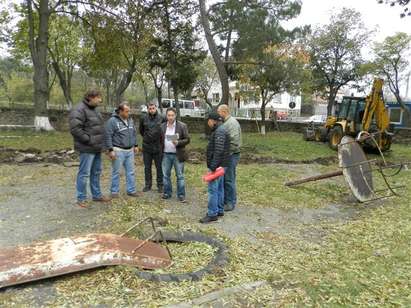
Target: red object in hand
<point>210,176</point>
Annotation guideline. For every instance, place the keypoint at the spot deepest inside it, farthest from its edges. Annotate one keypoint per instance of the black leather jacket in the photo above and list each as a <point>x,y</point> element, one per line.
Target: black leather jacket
<point>150,129</point>
<point>218,149</point>
<point>87,128</point>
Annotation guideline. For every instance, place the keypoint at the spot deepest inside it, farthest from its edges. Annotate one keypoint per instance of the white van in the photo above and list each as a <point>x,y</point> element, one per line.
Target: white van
<point>188,108</point>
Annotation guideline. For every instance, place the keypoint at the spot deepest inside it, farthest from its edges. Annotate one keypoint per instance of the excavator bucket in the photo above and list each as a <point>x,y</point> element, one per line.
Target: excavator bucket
<point>73,254</point>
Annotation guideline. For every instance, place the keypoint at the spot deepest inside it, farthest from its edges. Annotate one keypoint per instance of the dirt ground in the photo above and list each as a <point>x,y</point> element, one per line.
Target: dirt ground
<point>37,203</point>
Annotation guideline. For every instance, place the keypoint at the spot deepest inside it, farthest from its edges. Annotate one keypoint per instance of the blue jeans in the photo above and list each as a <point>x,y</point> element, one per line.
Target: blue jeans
<point>230,186</point>
<point>126,159</point>
<point>170,161</point>
<point>90,167</point>
<point>216,197</point>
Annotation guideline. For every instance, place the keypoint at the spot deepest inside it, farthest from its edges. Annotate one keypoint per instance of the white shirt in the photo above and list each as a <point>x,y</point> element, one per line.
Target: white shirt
<point>169,146</point>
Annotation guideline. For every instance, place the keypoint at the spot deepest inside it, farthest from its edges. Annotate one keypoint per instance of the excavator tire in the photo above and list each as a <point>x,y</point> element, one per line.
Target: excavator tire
<point>336,135</point>
<point>387,143</point>
<point>320,134</point>
<point>308,134</point>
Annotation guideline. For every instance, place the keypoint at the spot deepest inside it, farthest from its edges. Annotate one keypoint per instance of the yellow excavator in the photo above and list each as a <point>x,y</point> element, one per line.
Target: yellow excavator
<point>355,115</point>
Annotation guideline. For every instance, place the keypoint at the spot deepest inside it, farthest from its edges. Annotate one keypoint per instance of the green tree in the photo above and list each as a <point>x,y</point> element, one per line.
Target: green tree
<point>391,61</point>
<point>335,53</point>
<point>65,51</point>
<point>265,53</point>
<point>117,45</point>
<point>280,70</point>
<point>223,21</point>
<point>176,38</point>
<point>207,77</point>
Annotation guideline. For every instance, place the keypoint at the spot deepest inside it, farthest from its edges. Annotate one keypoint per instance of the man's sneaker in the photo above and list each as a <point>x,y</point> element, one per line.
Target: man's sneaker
<point>134,194</point>
<point>182,199</point>
<point>164,196</point>
<point>207,219</point>
<point>146,189</point>
<point>83,204</point>
<point>160,189</point>
<point>228,207</point>
<point>220,214</point>
<point>115,196</point>
<point>102,199</point>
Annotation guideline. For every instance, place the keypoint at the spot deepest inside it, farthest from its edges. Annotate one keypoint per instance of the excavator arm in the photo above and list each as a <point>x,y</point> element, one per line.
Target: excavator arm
<point>374,106</point>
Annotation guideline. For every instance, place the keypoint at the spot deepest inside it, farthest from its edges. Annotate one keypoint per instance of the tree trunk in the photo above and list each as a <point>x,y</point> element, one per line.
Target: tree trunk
<point>262,110</point>
<point>125,82</point>
<point>65,82</point>
<point>38,49</point>
<point>331,102</point>
<point>159,98</point>
<point>205,94</point>
<point>175,90</point>
<point>221,69</point>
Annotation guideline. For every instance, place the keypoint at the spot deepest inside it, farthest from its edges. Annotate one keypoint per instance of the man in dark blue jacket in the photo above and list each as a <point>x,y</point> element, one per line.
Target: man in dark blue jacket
<point>87,128</point>
<point>121,142</point>
<point>218,154</point>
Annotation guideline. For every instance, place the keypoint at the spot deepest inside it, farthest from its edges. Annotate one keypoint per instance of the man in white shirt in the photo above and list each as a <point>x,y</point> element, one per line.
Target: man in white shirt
<point>175,138</point>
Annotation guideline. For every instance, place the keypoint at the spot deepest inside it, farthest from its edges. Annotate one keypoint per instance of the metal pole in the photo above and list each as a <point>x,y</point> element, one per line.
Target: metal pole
<point>315,178</point>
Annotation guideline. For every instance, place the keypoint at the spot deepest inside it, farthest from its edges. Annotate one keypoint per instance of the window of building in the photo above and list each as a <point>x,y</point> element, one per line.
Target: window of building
<point>216,97</point>
<point>395,115</point>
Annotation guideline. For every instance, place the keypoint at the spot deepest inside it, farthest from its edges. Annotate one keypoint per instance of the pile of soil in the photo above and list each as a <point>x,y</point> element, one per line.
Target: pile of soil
<point>197,156</point>
<point>32,155</point>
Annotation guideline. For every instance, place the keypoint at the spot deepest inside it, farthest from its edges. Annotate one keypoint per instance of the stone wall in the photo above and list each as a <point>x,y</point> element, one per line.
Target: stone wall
<point>16,116</point>
<point>59,120</point>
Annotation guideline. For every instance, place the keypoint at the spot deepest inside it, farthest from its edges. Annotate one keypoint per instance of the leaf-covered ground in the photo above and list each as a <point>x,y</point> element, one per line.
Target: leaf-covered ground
<point>312,245</point>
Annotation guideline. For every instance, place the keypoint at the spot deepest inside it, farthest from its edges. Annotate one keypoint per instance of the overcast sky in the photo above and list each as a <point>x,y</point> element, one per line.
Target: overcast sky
<point>384,17</point>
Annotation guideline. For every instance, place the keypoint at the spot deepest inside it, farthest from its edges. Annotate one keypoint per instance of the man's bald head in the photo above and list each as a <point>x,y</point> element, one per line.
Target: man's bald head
<point>223,111</point>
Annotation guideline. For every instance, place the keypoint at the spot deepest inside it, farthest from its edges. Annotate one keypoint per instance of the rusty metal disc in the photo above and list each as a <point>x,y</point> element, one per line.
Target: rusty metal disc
<point>356,169</point>
<point>73,254</point>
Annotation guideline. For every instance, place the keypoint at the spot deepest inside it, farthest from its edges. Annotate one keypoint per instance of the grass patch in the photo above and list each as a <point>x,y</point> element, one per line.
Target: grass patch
<point>360,262</point>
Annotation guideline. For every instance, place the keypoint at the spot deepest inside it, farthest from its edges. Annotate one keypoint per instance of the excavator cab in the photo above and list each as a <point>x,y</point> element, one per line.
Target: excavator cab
<point>348,119</point>
<point>358,114</point>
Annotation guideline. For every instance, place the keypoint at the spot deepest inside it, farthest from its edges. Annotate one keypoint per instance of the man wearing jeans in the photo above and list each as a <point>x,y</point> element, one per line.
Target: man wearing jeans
<point>121,143</point>
<point>174,140</point>
<point>87,129</point>
<point>234,130</point>
<point>150,130</point>
<point>218,154</point>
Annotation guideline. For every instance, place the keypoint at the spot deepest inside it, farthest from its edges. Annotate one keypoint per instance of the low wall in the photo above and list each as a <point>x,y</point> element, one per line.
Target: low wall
<point>59,120</point>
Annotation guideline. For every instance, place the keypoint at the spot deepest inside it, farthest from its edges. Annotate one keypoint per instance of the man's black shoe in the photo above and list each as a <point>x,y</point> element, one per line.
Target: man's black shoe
<point>220,214</point>
<point>207,219</point>
<point>228,208</point>
<point>146,189</point>
<point>165,197</point>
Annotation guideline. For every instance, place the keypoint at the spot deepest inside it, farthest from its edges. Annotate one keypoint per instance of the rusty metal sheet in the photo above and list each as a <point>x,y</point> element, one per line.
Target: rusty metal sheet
<point>67,255</point>
<point>356,168</point>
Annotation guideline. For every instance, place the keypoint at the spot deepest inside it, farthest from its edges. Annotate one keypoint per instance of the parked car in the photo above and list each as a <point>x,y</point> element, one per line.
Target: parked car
<point>317,118</point>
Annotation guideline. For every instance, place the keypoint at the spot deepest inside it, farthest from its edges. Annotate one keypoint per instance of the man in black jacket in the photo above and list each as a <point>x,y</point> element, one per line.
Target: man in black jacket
<point>151,132</point>
<point>218,155</point>
<point>87,128</point>
<point>174,140</point>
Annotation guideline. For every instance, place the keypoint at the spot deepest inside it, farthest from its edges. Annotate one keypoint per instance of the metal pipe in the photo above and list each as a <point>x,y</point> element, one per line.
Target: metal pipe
<point>315,178</point>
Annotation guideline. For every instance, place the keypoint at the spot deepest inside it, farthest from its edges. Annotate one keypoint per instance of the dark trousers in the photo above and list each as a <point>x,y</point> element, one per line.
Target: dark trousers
<point>148,162</point>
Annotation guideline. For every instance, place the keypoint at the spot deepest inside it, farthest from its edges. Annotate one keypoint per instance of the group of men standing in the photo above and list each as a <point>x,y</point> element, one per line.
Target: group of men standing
<point>163,141</point>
